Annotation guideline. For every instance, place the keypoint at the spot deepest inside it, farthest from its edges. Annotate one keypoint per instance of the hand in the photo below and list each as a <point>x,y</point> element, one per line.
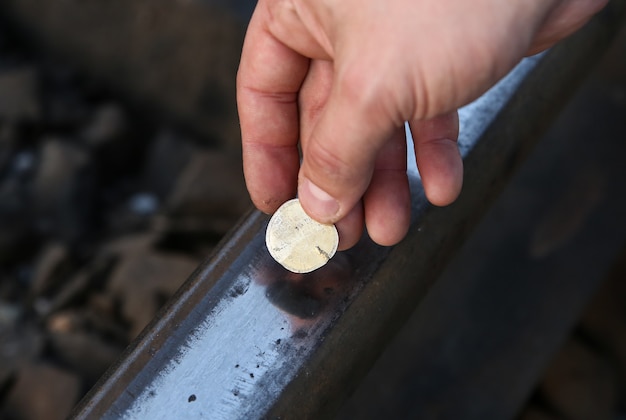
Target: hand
<point>340,78</point>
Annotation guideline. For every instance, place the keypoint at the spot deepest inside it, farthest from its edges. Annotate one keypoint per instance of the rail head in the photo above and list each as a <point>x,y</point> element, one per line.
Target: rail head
<point>244,338</point>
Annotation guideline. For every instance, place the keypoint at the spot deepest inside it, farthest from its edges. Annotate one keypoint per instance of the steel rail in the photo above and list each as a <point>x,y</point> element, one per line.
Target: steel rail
<point>243,338</point>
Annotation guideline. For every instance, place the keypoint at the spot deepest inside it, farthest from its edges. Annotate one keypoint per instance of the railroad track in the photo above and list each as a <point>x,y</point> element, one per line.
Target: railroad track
<point>244,339</point>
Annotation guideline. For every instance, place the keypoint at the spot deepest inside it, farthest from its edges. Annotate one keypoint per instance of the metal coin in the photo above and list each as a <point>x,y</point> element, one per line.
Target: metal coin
<point>297,242</point>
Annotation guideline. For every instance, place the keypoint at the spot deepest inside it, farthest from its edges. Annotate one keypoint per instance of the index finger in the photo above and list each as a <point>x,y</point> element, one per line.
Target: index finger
<point>269,78</point>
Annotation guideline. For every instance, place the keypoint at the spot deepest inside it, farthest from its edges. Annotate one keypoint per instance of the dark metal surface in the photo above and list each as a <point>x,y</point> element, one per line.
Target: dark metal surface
<point>246,339</point>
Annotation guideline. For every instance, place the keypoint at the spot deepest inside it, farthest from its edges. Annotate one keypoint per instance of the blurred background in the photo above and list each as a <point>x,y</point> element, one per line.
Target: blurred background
<point>120,171</point>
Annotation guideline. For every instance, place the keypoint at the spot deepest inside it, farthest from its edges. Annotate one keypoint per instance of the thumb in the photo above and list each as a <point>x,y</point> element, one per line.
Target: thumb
<point>340,153</point>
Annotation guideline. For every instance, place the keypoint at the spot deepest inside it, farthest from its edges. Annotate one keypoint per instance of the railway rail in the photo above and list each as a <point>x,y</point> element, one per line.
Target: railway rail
<point>243,338</point>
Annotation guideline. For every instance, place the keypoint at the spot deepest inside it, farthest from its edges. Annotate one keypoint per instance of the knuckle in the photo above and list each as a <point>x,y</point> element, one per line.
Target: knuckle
<point>328,165</point>
<point>279,12</point>
<point>375,92</point>
<point>361,90</point>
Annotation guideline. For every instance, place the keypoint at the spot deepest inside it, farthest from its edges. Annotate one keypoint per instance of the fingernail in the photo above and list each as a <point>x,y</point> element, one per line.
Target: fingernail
<point>319,203</point>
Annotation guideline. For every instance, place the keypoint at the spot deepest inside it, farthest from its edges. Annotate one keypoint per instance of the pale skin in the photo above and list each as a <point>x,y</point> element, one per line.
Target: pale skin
<point>340,77</point>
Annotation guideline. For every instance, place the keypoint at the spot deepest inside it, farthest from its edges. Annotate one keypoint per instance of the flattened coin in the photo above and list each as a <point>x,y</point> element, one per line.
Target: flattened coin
<point>297,242</point>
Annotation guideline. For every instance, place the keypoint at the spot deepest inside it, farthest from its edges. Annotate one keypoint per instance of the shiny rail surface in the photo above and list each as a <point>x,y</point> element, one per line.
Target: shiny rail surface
<point>245,339</point>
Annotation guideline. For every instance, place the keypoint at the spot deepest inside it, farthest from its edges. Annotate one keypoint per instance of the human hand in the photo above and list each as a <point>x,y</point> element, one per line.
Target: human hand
<point>340,78</point>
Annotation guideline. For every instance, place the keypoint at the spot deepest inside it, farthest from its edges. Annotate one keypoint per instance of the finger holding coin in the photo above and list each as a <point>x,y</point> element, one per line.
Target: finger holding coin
<point>297,242</point>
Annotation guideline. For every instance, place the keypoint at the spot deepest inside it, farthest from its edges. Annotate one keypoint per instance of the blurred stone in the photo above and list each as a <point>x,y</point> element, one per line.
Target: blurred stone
<point>64,322</point>
<point>80,158</point>
<point>98,324</point>
<point>59,161</point>
<point>9,314</point>
<point>129,244</point>
<point>102,303</point>
<point>42,391</point>
<point>23,162</point>
<point>107,323</point>
<point>57,201</point>
<point>18,94</point>
<point>15,225</point>
<point>135,215</point>
<point>179,57</point>
<point>124,220</point>
<point>143,204</point>
<point>50,264</point>
<point>75,284</point>
<point>144,280</point>
<point>210,193</point>
<point>580,384</point>
<point>19,344</point>
<point>106,123</point>
<point>169,155</point>
<point>84,351</point>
